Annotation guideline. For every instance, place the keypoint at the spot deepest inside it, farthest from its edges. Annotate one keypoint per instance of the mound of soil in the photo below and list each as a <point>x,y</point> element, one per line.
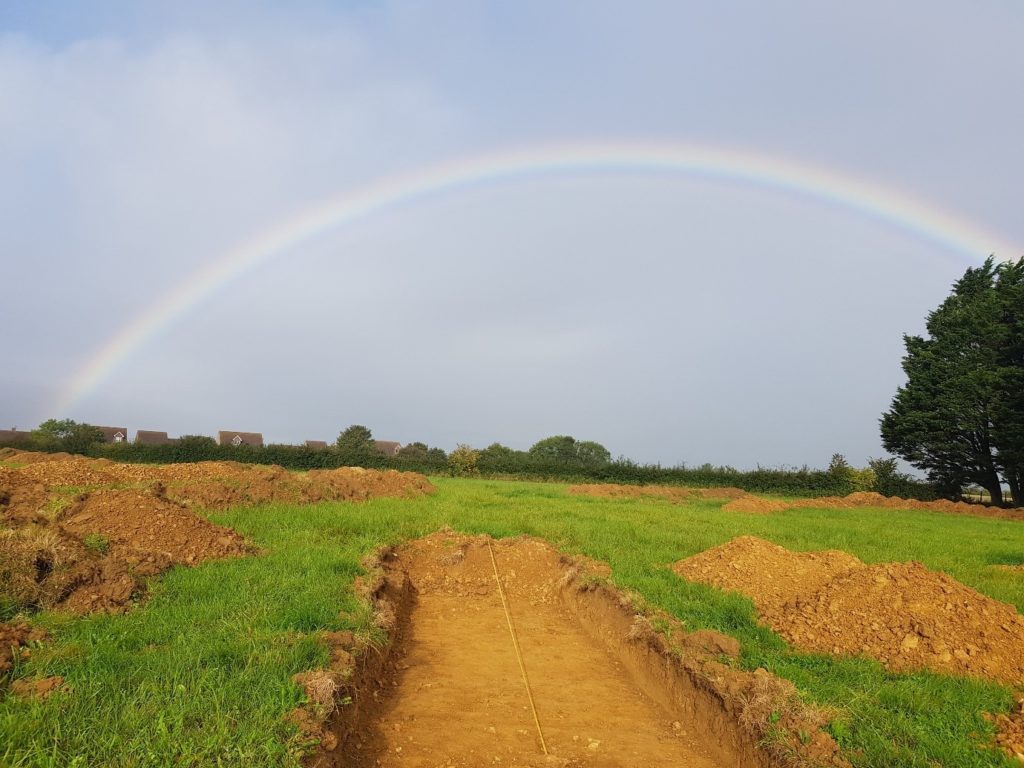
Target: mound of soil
<point>871,499</point>
<point>13,639</point>
<point>99,552</point>
<point>1010,732</point>
<point>909,617</point>
<point>768,574</point>
<point>95,551</point>
<point>208,484</point>
<point>678,494</point>
<point>63,470</point>
<point>674,493</point>
<point>608,689</point>
<point>142,535</point>
<point>21,498</point>
<point>902,614</point>
<point>754,505</point>
<point>357,484</point>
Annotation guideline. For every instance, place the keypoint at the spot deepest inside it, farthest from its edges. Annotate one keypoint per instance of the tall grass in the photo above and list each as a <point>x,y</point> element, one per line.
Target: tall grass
<point>200,674</point>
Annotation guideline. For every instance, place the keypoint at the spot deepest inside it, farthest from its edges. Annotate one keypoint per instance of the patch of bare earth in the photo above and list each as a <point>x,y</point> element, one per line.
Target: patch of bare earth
<point>609,690</point>
<point>1010,731</point>
<point>675,493</point>
<point>902,614</point>
<point>870,499</point>
<point>755,505</point>
<point>742,501</point>
<point>96,550</point>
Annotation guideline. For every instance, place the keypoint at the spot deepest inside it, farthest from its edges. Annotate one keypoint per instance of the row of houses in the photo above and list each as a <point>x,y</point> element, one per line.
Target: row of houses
<point>224,437</point>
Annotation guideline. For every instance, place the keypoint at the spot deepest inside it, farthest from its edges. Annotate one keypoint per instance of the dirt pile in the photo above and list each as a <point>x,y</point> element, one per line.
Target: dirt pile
<point>608,689</point>
<point>21,498</point>
<point>754,505</point>
<point>902,614</point>
<point>1010,731</point>
<point>85,534</point>
<point>768,574</point>
<point>675,493</point>
<point>871,499</point>
<point>65,471</point>
<point>13,641</point>
<point>98,553</point>
<point>208,484</point>
<point>909,617</point>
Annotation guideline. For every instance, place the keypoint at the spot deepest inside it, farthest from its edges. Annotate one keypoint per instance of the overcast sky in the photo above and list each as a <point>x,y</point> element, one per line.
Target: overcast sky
<point>671,317</point>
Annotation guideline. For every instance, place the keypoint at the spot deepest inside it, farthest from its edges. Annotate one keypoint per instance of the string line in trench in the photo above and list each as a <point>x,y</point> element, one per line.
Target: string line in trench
<point>515,645</point>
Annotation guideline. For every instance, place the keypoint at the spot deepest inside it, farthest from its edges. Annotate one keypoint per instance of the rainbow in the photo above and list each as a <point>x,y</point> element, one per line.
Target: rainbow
<point>737,165</point>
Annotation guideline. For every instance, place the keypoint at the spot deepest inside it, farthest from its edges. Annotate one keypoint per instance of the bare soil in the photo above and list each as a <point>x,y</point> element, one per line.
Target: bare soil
<point>14,639</point>
<point>903,614</point>
<point>609,691</point>
<point>85,534</point>
<point>207,484</point>
<point>742,501</point>
<point>755,505</point>
<point>1010,731</point>
<point>675,493</point>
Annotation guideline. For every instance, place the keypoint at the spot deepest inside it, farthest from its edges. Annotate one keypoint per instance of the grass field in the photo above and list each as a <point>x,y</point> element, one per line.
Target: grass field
<point>200,674</point>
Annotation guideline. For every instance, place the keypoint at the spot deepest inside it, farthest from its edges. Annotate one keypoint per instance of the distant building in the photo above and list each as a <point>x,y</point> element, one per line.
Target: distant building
<point>114,434</point>
<point>255,439</point>
<point>388,447</point>
<point>148,437</point>
<point>316,444</point>
<point>13,435</point>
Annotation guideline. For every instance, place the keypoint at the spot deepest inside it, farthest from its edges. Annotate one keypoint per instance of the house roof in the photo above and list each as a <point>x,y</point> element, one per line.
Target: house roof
<point>316,444</point>
<point>149,437</point>
<point>10,435</point>
<point>387,447</point>
<point>227,437</point>
<point>110,433</point>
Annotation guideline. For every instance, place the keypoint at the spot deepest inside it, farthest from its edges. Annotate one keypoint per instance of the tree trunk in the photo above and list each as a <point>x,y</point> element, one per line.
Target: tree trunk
<point>1014,483</point>
<point>995,489</point>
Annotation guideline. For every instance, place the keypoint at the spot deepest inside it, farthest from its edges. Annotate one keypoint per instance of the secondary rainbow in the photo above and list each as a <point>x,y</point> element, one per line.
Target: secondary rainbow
<point>841,189</point>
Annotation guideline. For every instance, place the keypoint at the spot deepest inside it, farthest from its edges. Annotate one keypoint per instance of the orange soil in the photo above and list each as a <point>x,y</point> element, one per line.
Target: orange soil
<point>674,493</point>
<point>767,573</point>
<point>135,533</point>
<point>902,614</point>
<point>871,499</point>
<point>214,484</point>
<point>1010,731</point>
<point>749,503</point>
<point>13,639</point>
<point>604,683</point>
<point>755,505</point>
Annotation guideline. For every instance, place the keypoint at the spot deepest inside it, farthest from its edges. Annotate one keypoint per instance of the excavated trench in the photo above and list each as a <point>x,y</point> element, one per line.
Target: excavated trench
<point>448,689</point>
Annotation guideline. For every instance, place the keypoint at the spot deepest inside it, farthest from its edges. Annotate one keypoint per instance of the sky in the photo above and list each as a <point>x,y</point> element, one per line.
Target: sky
<point>674,316</point>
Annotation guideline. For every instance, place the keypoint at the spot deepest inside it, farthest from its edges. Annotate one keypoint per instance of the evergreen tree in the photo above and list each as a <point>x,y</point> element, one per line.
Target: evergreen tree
<point>960,416</point>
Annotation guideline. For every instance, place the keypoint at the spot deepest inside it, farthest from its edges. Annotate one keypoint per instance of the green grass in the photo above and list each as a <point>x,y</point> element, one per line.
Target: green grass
<point>200,674</point>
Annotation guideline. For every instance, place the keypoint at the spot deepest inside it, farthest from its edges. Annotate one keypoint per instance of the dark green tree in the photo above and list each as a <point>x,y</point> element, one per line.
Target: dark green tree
<point>563,449</point>
<point>590,453</point>
<point>357,440</point>
<point>68,435</point>
<point>959,416</point>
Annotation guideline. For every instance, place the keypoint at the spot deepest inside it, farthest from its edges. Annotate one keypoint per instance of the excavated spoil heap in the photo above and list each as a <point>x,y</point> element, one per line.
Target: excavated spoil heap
<point>902,614</point>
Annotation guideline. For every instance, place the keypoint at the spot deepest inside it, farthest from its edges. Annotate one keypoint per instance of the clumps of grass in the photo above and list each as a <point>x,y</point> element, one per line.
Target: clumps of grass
<point>96,543</point>
<point>56,504</point>
<point>27,556</point>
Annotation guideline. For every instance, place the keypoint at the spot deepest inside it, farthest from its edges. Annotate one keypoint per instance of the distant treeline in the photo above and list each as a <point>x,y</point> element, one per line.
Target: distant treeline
<point>560,459</point>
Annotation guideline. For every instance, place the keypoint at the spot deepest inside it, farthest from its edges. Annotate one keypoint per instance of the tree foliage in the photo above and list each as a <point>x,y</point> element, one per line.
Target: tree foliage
<point>67,435</point>
<point>960,416</point>
<point>356,440</point>
<point>563,449</point>
<point>462,462</point>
